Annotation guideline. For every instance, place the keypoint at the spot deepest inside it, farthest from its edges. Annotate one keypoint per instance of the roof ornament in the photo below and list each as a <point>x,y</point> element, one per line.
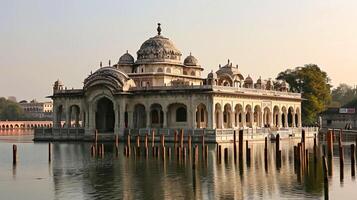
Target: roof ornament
<point>219,65</point>
<point>127,51</point>
<point>190,54</point>
<point>100,64</point>
<point>237,66</point>
<point>158,29</point>
<point>109,63</point>
<point>228,61</point>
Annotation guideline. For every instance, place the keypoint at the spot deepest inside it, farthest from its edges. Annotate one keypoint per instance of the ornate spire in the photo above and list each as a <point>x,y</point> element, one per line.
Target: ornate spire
<point>100,64</point>
<point>158,29</point>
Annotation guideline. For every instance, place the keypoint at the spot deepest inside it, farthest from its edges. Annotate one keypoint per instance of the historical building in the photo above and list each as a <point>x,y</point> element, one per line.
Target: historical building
<point>35,109</point>
<point>158,90</point>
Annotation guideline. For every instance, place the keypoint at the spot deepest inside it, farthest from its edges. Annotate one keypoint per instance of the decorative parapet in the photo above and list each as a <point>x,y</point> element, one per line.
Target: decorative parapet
<point>225,89</point>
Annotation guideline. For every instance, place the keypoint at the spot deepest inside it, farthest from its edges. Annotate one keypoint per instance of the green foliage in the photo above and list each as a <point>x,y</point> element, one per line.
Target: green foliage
<point>343,94</point>
<point>314,85</point>
<point>10,110</point>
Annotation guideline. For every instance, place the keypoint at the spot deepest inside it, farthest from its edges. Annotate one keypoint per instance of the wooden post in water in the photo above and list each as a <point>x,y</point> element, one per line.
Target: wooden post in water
<point>175,137</point>
<point>137,139</point>
<point>307,160</point>
<point>247,152</point>
<point>153,138</point>
<point>353,168</point>
<point>163,151</point>
<point>324,167</point>
<point>169,152</point>
<point>341,163</point>
<point>117,151</point>
<point>329,144</point>
<point>226,155</point>
<point>162,138</point>
<point>206,153</point>
<point>181,138</point>
<point>266,153</point>
<point>195,157</point>
<point>116,140</point>
<point>219,153</point>
<point>240,144</point>
<point>146,140</point>
<point>234,146</point>
<point>315,150</point>
<point>203,139</point>
<point>92,150</point>
<point>49,152</point>
<point>14,154</point>
<point>189,144</point>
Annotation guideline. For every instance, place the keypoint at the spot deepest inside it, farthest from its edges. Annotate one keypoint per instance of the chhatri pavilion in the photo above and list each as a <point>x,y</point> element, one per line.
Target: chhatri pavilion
<point>160,90</point>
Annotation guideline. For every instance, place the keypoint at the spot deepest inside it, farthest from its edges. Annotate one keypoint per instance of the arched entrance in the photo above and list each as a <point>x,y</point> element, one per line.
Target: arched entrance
<point>104,116</point>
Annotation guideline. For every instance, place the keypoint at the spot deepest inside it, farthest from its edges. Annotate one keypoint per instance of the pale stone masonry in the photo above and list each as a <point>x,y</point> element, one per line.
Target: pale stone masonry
<point>158,90</point>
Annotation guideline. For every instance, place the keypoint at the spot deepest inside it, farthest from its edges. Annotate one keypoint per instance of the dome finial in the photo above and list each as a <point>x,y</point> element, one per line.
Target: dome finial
<point>100,64</point>
<point>158,29</point>
<point>127,51</point>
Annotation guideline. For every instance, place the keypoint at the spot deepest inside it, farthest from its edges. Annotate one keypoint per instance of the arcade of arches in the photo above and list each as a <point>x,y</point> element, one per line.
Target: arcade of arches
<point>280,117</point>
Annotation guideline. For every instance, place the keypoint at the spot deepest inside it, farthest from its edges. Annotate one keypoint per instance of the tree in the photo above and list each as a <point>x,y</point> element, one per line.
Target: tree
<point>10,110</point>
<point>343,94</point>
<point>314,85</point>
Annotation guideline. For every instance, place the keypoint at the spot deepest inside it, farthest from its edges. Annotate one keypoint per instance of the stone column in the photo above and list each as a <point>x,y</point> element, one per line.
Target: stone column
<point>122,114</point>
<point>221,119</point>
<point>164,110</point>
<point>116,119</point>
<point>148,118</point>
<point>251,119</point>
<point>55,118</point>
<point>279,124</point>
<point>194,120</point>
<point>261,120</point>
<point>232,115</point>
<point>299,120</point>
<point>68,117</point>
<point>244,120</point>
<point>293,120</point>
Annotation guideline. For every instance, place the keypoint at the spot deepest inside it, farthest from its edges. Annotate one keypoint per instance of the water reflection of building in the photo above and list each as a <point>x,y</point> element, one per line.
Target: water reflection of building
<point>158,90</point>
<point>133,177</point>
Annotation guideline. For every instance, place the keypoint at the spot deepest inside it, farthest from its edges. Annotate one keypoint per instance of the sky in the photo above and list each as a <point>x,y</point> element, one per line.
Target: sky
<point>45,40</point>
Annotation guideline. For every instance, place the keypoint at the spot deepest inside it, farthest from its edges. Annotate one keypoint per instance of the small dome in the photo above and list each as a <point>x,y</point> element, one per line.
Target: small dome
<point>231,70</point>
<point>111,77</point>
<point>259,81</point>
<point>212,75</point>
<point>248,80</point>
<point>126,59</point>
<point>190,61</point>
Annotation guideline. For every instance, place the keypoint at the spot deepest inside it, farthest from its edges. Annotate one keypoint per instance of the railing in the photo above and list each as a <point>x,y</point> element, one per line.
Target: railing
<point>221,88</point>
<point>58,133</point>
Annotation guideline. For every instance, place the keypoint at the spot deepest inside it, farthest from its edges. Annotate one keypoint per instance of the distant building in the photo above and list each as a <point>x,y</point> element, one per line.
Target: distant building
<point>37,109</point>
<point>12,98</point>
<point>344,117</point>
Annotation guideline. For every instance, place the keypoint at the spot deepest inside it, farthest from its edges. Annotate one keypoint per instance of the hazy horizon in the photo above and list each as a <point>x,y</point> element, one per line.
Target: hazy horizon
<point>42,41</point>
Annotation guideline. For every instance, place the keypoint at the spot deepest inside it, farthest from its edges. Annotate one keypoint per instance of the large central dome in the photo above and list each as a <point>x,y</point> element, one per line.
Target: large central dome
<point>158,49</point>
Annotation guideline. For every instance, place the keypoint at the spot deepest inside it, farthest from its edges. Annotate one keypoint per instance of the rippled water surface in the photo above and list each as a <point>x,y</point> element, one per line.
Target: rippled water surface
<point>75,174</point>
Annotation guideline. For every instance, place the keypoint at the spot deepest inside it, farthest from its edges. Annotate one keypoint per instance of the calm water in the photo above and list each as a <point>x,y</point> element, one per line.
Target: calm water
<point>74,174</point>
